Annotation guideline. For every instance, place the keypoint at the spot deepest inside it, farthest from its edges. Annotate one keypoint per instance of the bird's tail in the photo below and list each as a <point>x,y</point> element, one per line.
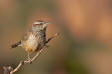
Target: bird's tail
<point>16,44</point>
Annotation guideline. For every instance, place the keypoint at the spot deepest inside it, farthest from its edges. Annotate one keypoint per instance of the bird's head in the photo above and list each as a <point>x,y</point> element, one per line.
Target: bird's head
<point>40,25</point>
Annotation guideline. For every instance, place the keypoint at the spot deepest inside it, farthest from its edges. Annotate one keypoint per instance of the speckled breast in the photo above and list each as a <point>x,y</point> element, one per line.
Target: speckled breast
<point>30,44</point>
<point>35,41</point>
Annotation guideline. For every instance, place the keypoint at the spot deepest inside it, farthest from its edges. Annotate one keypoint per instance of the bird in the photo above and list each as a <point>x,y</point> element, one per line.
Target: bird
<point>34,39</point>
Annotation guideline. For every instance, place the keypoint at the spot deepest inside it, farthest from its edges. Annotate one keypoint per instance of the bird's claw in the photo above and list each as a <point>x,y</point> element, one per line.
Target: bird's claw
<point>30,61</point>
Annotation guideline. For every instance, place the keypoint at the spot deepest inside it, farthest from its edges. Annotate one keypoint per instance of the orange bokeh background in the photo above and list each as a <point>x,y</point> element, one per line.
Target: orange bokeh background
<point>84,44</point>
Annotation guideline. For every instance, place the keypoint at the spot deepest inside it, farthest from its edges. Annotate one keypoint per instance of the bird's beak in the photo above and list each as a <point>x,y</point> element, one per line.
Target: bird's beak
<point>47,23</point>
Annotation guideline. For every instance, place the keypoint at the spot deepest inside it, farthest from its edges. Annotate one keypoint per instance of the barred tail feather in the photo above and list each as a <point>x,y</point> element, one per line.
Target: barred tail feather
<point>16,44</point>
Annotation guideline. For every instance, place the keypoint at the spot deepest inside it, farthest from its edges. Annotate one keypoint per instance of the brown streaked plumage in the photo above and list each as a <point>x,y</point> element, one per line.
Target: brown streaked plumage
<point>35,38</point>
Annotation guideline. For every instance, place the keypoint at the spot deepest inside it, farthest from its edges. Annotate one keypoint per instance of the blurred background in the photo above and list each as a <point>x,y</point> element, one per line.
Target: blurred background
<point>83,47</point>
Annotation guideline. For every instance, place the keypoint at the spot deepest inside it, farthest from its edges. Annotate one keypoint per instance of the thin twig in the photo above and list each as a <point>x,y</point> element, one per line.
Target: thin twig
<point>17,68</point>
<point>11,70</point>
<point>27,61</point>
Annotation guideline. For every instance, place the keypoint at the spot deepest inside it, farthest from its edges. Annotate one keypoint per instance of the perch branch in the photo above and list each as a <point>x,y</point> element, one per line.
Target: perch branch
<point>10,70</point>
<point>27,61</point>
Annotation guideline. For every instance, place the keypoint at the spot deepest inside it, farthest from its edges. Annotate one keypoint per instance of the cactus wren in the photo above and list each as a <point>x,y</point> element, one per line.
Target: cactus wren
<point>34,39</point>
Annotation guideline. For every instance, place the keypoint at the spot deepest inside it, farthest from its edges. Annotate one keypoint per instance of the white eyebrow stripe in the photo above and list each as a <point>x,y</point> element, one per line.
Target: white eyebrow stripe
<point>36,22</point>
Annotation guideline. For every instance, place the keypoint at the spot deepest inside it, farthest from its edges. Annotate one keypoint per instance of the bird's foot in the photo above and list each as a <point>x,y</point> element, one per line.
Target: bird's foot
<point>29,60</point>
